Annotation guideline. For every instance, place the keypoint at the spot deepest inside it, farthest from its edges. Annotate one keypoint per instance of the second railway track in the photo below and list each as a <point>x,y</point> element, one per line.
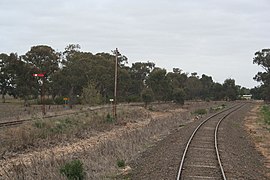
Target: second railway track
<point>201,159</point>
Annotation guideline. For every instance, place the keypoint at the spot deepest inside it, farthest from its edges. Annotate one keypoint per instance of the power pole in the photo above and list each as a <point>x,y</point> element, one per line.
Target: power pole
<point>115,83</point>
<point>43,96</point>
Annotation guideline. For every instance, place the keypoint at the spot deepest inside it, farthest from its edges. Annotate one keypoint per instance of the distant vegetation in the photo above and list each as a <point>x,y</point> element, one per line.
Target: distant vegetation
<point>266,114</point>
<point>88,78</point>
<point>262,58</point>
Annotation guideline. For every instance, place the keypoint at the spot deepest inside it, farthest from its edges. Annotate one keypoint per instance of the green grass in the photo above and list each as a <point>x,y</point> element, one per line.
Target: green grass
<point>265,111</point>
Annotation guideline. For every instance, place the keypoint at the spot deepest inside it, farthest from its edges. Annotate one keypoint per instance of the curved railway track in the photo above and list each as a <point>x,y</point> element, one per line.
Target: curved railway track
<point>201,159</point>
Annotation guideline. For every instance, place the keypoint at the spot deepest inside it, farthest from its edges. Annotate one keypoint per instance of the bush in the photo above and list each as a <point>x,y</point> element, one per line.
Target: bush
<point>200,111</point>
<point>39,124</point>
<point>266,114</point>
<point>46,101</point>
<point>147,96</point>
<point>121,163</point>
<point>73,170</point>
<point>59,100</point>
<point>179,96</point>
<point>109,118</point>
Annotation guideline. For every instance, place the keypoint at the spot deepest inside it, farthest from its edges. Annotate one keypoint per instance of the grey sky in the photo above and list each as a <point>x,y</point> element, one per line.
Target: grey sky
<point>214,37</point>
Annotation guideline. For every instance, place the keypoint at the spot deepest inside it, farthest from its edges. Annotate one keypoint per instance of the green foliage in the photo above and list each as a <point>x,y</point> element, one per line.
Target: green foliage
<point>59,100</point>
<point>179,96</point>
<point>265,110</point>
<point>159,84</point>
<point>230,89</point>
<point>49,128</point>
<point>214,109</point>
<point>262,58</point>
<point>109,118</point>
<point>147,96</point>
<point>90,95</point>
<point>121,163</point>
<point>39,124</point>
<point>7,75</point>
<point>73,170</point>
<point>200,111</point>
<point>193,87</point>
<point>78,68</point>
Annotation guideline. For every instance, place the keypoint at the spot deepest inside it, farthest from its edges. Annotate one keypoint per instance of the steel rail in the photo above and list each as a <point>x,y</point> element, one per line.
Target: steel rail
<point>216,141</point>
<point>17,122</point>
<point>191,137</point>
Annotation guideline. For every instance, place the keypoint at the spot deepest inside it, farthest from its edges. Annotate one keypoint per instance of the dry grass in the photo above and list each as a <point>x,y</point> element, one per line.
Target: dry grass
<point>134,131</point>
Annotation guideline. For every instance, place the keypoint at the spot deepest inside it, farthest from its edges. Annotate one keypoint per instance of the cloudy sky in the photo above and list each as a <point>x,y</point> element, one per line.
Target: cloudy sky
<point>213,37</point>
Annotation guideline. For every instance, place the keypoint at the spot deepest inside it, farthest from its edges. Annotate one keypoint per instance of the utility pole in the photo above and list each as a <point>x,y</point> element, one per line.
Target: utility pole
<point>43,96</point>
<point>115,83</point>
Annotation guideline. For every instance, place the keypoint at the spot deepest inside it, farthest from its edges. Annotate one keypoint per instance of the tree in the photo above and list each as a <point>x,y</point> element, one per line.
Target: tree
<point>147,96</point>
<point>27,86</point>
<point>177,81</point>
<point>193,87</point>
<point>159,83</point>
<point>43,59</point>
<point>262,58</point>
<point>139,73</point>
<point>179,96</point>
<point>217,91</point>
<point>230,89</point>
<point>7,74</point>
<point>257,92</point>
<point>90,95</point>
<point>207,83</point>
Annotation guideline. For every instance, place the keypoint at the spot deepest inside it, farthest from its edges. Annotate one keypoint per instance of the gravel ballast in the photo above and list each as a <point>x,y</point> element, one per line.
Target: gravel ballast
<point>238,154</point>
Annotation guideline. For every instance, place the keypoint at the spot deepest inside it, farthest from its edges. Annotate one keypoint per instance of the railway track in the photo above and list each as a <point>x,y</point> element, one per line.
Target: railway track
<point>201,159</point>
<point>18,122</point>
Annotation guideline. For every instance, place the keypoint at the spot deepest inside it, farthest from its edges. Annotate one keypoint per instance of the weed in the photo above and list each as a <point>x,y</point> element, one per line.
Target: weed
<point>39,124</point>
<point>150,108</point>
<point>121,163</point>
<point>266,114</point>
<point>73,170</point>
<point>109,118</point>
<point>200,111</point>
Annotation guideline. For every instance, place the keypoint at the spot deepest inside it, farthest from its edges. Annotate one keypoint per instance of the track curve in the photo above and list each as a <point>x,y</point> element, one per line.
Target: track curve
<point>201,157</point>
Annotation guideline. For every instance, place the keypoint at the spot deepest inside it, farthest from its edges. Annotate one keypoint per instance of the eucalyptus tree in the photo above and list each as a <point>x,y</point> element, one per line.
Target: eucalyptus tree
<point>262,58</point>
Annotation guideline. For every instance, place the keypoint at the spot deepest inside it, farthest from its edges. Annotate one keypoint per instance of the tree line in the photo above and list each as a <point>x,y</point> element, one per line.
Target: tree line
<point>88,78</point>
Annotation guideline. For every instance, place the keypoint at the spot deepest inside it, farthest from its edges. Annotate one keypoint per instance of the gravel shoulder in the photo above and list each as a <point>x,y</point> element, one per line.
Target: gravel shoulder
<point>238,152</point>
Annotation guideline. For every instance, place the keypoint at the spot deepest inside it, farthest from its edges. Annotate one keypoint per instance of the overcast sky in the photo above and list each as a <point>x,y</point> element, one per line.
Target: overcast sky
<point>213,37</point>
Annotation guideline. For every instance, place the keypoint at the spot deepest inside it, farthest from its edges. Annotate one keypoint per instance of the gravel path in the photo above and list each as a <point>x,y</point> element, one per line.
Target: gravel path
<point>241,160</point>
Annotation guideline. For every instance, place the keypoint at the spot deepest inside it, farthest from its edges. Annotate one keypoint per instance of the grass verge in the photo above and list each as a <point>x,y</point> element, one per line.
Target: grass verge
<point>265,111</point>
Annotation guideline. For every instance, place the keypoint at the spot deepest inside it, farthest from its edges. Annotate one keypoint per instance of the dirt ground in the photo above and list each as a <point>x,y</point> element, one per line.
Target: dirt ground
<point>259,132</point>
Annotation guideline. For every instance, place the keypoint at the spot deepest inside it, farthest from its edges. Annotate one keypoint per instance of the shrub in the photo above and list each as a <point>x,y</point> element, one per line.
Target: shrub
<point>109,118</point>
<point>179,96</point>
<point>121,163</point>
<point>73,170</point>
<point>147,96</point>
<point>59,100</point>
<point>200,111</point>
<point>39,124</point>
<point>266,114</point>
